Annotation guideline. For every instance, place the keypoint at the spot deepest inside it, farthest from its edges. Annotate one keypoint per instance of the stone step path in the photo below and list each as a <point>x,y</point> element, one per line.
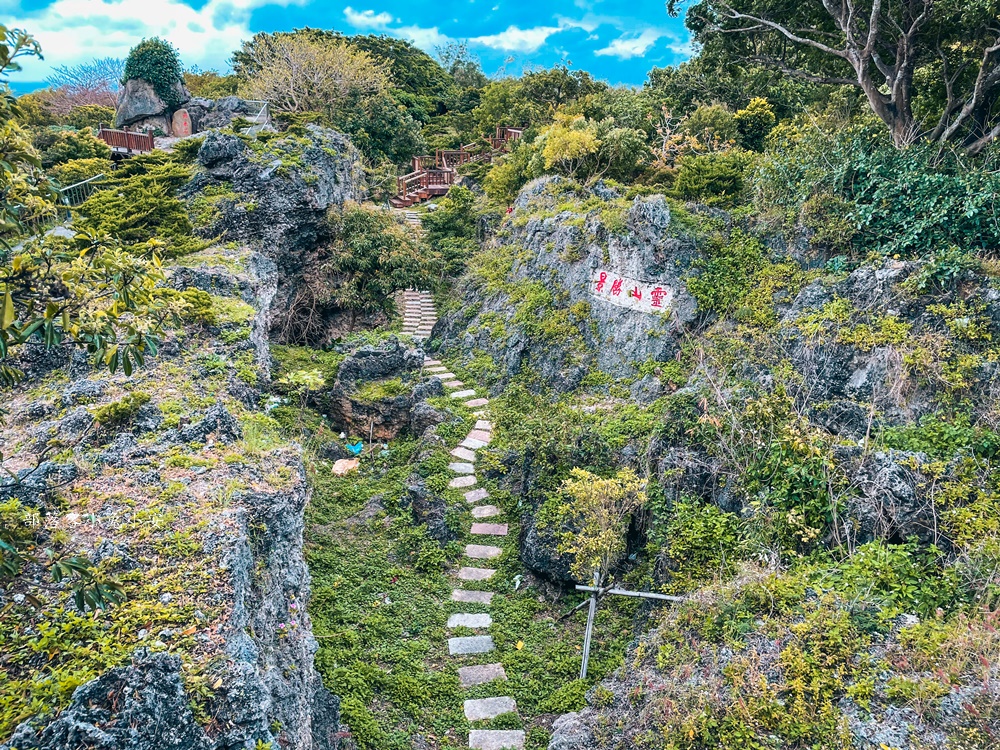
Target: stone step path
<point>419,317</point>
<point>464,471</point>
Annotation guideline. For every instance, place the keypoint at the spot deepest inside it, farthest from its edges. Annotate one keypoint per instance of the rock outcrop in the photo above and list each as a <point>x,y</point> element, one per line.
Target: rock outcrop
<point>228,566</point>
<point>557,245</point>
<point>140,106</point>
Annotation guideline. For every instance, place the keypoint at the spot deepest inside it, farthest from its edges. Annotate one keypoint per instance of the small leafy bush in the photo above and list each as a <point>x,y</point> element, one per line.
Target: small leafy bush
<point>121,412</point>
<point>78,170</point>
<point>715,179</point>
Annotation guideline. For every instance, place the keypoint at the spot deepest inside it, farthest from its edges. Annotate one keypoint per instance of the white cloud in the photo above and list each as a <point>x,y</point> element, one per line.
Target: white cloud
<point>367,19</point>
<point>425,39</point>
<point>74,31</point>
<point>631,45</point>
<point>515,39</point>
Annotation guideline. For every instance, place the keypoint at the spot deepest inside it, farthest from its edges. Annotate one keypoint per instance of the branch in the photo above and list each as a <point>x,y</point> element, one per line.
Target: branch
<point>804,74</point>
<point>737,16</point>
<point>984,81</point>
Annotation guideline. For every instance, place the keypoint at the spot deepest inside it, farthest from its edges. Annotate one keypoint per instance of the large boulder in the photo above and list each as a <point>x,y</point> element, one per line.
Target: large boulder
<point>139,104</point>
<point>595,281</point>
<point>142,706</point>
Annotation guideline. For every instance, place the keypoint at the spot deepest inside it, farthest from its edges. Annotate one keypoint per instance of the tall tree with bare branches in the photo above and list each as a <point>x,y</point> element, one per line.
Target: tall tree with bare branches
<point>929,69</point>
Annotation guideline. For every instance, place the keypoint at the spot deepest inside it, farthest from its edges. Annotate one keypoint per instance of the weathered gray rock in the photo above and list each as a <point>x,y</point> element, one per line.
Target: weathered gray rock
<point>559,253</point>
<point>469,620</point>
<point>377,362</point>
<point>427,508</point>
<point>138,101</point>
<point>488,708</point>
<point>142,706</point>
<point>569,732</point>
<point>481,674</point>
<point>496,739</point>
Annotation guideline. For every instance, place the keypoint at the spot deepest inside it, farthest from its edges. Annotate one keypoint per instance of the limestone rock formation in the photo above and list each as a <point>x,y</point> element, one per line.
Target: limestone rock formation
<point>141,107</point>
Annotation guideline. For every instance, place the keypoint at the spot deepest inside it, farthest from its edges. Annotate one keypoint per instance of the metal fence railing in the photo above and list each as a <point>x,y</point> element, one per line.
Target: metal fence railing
<point>77,193</point>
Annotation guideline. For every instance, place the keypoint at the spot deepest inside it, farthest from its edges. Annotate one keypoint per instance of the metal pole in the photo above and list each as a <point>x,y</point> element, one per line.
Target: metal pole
<point>642,594</point>
<point>590,629</point>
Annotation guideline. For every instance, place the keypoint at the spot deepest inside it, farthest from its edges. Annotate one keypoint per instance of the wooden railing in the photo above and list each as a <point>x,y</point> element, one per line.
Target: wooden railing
<point>127,141</point>
<point>432,171</point>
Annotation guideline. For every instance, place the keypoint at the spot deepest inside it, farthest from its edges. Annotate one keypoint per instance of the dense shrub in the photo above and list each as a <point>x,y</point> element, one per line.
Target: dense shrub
<point>77,170</point>
<point>59,145</point>
<point>902,201</point>
<point>715,179</point>
<point>140,203</point>
<point>90,116</point>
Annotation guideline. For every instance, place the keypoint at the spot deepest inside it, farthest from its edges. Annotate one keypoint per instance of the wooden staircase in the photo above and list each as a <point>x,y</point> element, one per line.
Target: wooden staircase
<point>433,176</point>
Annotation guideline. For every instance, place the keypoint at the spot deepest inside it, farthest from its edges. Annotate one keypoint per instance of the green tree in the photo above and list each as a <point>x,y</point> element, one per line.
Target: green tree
<point>371,257</point>
<point>894,54</point>
<point>24,190</point>
<point>590,517</point>
<point>157,62</point>
<point>713,125</point>
<point>754,123</point>
<point>451,229</point>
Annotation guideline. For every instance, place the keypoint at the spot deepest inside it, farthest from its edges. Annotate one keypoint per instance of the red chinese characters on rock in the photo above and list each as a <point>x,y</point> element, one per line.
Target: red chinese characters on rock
<point>633,294</point>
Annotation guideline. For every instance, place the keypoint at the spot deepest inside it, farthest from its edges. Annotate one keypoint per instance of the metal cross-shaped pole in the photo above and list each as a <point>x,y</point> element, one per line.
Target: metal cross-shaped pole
<point>595,593</point>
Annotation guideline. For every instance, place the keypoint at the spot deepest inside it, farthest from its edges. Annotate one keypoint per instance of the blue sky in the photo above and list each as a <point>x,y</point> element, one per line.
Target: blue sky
<point>616,41</point>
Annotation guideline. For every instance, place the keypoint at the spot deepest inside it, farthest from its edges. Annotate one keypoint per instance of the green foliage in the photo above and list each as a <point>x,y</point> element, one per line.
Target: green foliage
<point>121,412</point>
<point>715,179</point>
<point>590,516</point>
<point>373,256</point>
<point>738,279</point>
<point>713,125</point>
<point>900,578</point>
<point>208,84</point>
<point>140,204</point>
<point>157,62</point>
<point>88,292</point>
<point>943,269</point>
<point>754,123</point>
<point>701,541</point>
<point>899,201</point>
<point>59,145</point>
<point>90,116</point>
<point>943,436</point>
<point>78,170</point>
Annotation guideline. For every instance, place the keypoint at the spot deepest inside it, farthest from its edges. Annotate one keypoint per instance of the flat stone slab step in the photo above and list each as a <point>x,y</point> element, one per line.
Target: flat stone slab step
<point>470,644</point>
<point>471,597</point>
<point>468,480</point>
<point>475,574</point>
<point>464,453</point>
<point>431,362</point>
<point>472,444</point>
<point>477,402</point>
<point>491,529</point>
<point>496,739</point>
<point>460,467</point>
<point>488,708</point>
<point>470,620</point>
<point>479,435</point>
<point>462,394</point>
<point>486,511</point>
<point>481,674</point>
<point>474,496</point>
<point>482,551</point>
<point>445,376</point>
<point>485,425</point>
<point>454,384</point>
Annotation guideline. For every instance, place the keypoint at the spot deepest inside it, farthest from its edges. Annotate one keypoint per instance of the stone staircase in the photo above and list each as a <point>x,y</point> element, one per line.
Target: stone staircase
<point>419,315</point>
<point>473,572</point>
